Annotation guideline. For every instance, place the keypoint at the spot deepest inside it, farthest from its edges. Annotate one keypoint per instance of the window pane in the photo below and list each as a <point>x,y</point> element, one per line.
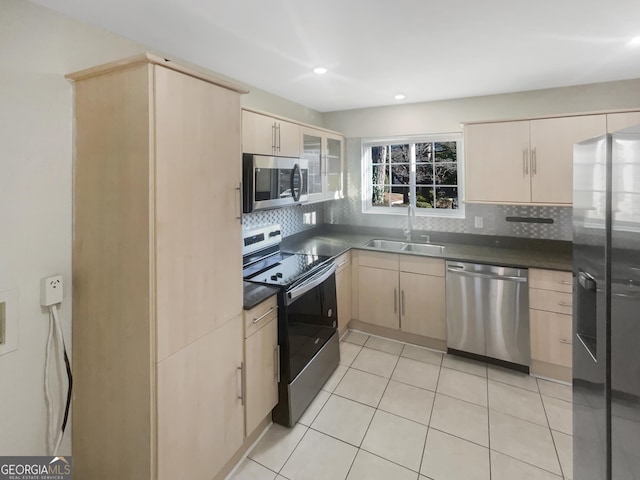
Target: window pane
<point>447,197</point>
<point>380,174</point>
<point>424,197</point>
<point>424,174</point>
<point>379,154</point>
<point>400,174</point>
<point>399,196</point>
<point>446,174</point>
<point>380,196</point>
<point>446,151</point>
<point>400,154</point>
<point>424,152</point>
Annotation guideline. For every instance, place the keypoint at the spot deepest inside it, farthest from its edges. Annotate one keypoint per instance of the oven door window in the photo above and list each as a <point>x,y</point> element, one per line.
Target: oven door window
<point>311,320</point>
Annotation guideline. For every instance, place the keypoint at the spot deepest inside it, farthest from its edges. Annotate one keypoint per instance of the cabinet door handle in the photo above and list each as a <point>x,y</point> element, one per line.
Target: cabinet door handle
<point>402,309</point>
<point>343,263</point>
<point>256,320</point>
<point>566,341</point>
<point>565,304</point>
<point>279,144</point>
<point>239,189</point>
<point>525,162</point>
<point>273,137</point>
<point>277,364</point>
<point>565,282</point>
<point>534,162</point>
<point>241,382</point>
<point>395,301</point>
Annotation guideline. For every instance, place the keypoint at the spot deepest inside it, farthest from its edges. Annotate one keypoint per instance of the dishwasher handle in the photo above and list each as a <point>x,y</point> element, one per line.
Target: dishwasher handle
<point>492,276</point>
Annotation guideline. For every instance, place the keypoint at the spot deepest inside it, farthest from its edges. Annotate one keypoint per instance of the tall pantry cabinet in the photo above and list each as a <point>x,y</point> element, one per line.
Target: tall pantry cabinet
<point>157,274</point>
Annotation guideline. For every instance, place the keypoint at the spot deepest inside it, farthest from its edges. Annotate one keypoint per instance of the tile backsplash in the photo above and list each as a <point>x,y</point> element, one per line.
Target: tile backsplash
<point>349,212</point>
<point>292,219</point>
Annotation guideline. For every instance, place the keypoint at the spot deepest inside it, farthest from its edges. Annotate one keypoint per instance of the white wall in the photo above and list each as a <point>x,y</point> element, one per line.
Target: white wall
<point>37,47</point>
<point>446,115</point>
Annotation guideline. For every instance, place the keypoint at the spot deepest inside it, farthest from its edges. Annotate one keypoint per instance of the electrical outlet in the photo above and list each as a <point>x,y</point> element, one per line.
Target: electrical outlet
<point>51,290</point>
<point>478,221</point>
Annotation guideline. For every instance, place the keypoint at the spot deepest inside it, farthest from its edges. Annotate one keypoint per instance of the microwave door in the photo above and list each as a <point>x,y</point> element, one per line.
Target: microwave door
<point>284,184</point>
<point>266,184</point>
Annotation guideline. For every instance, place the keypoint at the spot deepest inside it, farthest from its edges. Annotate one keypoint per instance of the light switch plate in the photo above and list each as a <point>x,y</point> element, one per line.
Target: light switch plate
<point>478,222</point>
<point>8,321</point>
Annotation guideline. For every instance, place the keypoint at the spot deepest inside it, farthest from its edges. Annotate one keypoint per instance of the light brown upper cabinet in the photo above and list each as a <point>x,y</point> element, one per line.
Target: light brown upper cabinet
<point>618,121</point>
<point>323,150</point>
<point>527,161</point>
<point>266,135</point>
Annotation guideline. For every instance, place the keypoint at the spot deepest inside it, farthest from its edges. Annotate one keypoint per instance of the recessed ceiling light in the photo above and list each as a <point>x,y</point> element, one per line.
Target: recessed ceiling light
<point>635,41</point>
<point>320,70</point>
<point>400,96</point>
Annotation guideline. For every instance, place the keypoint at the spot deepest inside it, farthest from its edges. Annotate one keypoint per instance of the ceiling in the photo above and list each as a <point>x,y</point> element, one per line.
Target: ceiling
<point>373,49</point>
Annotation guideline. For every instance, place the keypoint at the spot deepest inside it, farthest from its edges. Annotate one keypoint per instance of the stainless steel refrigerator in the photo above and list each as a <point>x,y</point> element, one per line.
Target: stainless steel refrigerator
<point>606,323</point>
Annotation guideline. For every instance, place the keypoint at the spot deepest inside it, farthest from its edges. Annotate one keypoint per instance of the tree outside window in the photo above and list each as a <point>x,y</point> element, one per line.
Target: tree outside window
<point>423,173</point>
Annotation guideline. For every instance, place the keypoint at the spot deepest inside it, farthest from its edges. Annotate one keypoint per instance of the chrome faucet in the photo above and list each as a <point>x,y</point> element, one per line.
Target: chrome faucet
<point>410,216</point>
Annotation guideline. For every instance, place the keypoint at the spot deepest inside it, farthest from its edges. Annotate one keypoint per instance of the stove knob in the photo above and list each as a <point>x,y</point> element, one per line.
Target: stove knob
<point>274,277</point>
<point>279,275</point>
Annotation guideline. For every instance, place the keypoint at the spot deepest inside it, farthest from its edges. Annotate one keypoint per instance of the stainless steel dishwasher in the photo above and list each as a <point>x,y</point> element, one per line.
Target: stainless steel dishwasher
<point>488,311</point>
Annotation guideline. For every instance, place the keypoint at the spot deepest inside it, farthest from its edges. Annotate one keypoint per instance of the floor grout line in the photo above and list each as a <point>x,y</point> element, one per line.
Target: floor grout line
<point>430,418</point>
<point>553,440</point>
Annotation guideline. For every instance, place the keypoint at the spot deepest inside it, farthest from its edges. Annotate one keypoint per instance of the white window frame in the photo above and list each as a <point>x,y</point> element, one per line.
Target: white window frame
<point>367,186</point>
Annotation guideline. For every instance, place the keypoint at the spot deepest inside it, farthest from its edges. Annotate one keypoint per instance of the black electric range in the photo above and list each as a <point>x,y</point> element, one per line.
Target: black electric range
<point>307,317</point>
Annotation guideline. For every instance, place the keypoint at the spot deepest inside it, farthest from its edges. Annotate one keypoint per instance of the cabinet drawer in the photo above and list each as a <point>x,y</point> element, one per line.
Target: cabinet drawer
<point>343,261</point>
<point>551,337</point>
<point>386,261</point>
<point>422,265</point>
<point>549,301</point>
<point>554,280</point>
<point>259,316</point>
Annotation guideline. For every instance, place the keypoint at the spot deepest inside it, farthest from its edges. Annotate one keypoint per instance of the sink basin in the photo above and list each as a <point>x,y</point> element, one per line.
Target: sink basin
<point>392,245</point>
<point>398,246</point>
<point>428,249</point>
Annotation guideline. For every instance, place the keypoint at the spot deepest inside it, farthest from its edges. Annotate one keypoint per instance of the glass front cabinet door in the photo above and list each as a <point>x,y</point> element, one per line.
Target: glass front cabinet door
<point>323,150</point>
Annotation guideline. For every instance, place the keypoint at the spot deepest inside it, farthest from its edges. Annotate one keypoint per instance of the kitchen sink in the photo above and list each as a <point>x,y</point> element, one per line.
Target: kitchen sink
<point>398,246</point>
<point>428,248</point>
<point>392,245</point>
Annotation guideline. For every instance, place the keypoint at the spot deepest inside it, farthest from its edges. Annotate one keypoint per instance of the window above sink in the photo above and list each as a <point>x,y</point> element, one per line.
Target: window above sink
<point>423,171</point>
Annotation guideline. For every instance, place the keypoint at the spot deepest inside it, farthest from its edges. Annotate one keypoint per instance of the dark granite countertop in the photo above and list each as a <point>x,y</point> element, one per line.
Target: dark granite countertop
<point>503,251</point>
<point>333,240</point>
<point>255,294</point>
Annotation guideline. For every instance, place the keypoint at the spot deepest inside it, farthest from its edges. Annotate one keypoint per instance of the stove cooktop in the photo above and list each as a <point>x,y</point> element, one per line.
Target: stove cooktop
<point>285,269</point>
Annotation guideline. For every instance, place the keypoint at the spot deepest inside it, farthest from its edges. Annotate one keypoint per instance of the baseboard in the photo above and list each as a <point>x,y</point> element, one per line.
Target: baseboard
<point>247,445</point>
<point>551,371</point>
<point>398,335</point>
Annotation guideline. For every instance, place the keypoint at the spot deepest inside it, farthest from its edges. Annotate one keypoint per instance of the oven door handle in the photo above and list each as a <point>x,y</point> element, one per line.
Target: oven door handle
<point>311,283</point>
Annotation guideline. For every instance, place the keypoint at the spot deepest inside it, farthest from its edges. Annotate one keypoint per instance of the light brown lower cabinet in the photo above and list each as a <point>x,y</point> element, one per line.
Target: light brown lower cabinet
<point>402,292</point>
<point>261,356</point>
<point>200,417</point>
<point>551,324</point>
<point>343,290</point>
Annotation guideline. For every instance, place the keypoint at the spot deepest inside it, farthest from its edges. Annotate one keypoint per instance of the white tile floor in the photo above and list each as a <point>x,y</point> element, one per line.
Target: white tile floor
<point>396,411</point>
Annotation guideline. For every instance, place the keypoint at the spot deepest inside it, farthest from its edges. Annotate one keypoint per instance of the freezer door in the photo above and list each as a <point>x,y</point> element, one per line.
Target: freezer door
<point>590,414</point>
<point>625,305</point>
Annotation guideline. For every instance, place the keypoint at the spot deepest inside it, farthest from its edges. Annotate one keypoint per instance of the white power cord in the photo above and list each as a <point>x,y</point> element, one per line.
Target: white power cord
<point>56,428</point>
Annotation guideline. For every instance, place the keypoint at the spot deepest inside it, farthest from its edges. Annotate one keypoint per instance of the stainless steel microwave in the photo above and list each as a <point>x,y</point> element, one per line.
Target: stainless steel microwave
<point>273,182</point>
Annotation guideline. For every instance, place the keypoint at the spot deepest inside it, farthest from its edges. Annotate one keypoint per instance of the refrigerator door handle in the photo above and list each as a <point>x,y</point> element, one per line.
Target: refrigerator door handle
<point>586,281</point>
<point>586,313</point>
